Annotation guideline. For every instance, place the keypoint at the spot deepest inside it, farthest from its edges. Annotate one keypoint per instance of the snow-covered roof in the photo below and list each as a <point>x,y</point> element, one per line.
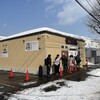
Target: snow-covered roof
<point>2,37</point>
<point>39,30</point>
<point>86,38</point>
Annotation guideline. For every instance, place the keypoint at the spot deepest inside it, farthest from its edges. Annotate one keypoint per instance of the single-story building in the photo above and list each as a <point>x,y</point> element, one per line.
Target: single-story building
<point>27,50</point>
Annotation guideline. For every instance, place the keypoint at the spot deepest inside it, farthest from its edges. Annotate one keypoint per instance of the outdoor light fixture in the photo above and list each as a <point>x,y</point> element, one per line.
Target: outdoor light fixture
<point>23,41</point>
<point>38,38</point>
<point>4,45</point>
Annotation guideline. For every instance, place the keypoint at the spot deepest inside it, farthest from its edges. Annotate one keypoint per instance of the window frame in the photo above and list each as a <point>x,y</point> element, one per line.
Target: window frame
<point>33,45</point>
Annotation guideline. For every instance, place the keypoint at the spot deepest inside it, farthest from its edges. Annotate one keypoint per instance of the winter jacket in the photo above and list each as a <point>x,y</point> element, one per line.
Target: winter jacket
<point>48,61</point>
<point>57,61</point>
<point>71,62</point>
<point>64,59</point>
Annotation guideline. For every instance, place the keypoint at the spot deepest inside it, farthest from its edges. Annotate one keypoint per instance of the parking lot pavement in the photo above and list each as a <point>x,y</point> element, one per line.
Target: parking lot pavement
<point>14,84</point>
<point>9,86</point>
<point>17,77</point>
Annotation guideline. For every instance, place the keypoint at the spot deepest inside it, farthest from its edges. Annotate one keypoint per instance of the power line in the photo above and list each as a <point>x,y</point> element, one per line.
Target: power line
<point>87,11</point>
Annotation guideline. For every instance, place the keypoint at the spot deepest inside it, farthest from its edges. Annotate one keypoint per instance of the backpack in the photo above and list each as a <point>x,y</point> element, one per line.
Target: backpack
<point>78,59</point>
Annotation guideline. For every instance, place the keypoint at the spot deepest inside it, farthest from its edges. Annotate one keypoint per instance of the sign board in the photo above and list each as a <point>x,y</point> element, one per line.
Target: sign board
<point>70,40</point>
<point>73,50</point>
<point>31,45</point>
<point>4,55</point>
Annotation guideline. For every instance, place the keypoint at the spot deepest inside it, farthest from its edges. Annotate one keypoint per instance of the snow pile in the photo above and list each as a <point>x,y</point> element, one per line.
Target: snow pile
<point>95,72</point>
<point>27,83</point>
<point>89,63</point>
<point>92,64</point>
<point>1,92</point>
<point>83,90</point>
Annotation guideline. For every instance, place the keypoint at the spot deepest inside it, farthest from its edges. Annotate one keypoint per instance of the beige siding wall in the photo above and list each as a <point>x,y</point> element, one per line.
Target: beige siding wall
<point>53,45</point>
<point>18,59</point>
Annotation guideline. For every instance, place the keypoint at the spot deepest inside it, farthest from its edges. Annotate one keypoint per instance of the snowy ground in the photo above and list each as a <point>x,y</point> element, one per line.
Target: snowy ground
<point>69,90</point>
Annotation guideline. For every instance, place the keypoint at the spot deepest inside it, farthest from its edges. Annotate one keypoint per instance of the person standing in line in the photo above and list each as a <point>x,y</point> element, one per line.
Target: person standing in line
<point>48,64</point>
<point>71,63</point>
<point>64,62</point>
<point>57,64</point>
<point>78,60</point>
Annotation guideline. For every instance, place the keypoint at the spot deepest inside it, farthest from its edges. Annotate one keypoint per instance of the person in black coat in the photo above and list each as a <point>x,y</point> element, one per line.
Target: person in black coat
<point>48,64</point>
<point>64,62</point>
<point>78,60</point>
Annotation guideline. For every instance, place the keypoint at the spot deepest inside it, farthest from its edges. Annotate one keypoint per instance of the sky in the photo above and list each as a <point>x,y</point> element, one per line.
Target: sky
<point>23,15</point>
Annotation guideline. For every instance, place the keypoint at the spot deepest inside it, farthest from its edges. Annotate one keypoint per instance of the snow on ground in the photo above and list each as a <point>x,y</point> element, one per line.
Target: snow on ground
<point>1,92</point>
<point>1,87</point>
<point>83,90</point>
<point>27,83</point>
<point>89,63</point>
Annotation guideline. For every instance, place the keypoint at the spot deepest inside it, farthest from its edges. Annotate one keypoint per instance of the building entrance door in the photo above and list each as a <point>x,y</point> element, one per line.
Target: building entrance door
<point>64,53</point>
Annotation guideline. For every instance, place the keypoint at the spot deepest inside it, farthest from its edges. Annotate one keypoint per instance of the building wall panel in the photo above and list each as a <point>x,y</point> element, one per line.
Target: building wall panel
<point>19,60</point>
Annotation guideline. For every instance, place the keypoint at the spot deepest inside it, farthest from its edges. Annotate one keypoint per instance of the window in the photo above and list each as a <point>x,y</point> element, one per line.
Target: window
<point>70,40</point>
<point>31,46</point>
<point>66,47</point>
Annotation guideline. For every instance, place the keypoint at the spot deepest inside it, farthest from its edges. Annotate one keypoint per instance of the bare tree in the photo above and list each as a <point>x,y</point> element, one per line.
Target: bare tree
<point>93,9</point>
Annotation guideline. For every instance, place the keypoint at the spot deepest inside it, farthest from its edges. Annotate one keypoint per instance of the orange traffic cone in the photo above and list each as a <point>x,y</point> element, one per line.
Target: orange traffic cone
<point>75,68</point>
<point>70,70</point>
<point>61,74</point>
<point>27,76</point>
<point>86,62</point>
<point>11,74</point>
